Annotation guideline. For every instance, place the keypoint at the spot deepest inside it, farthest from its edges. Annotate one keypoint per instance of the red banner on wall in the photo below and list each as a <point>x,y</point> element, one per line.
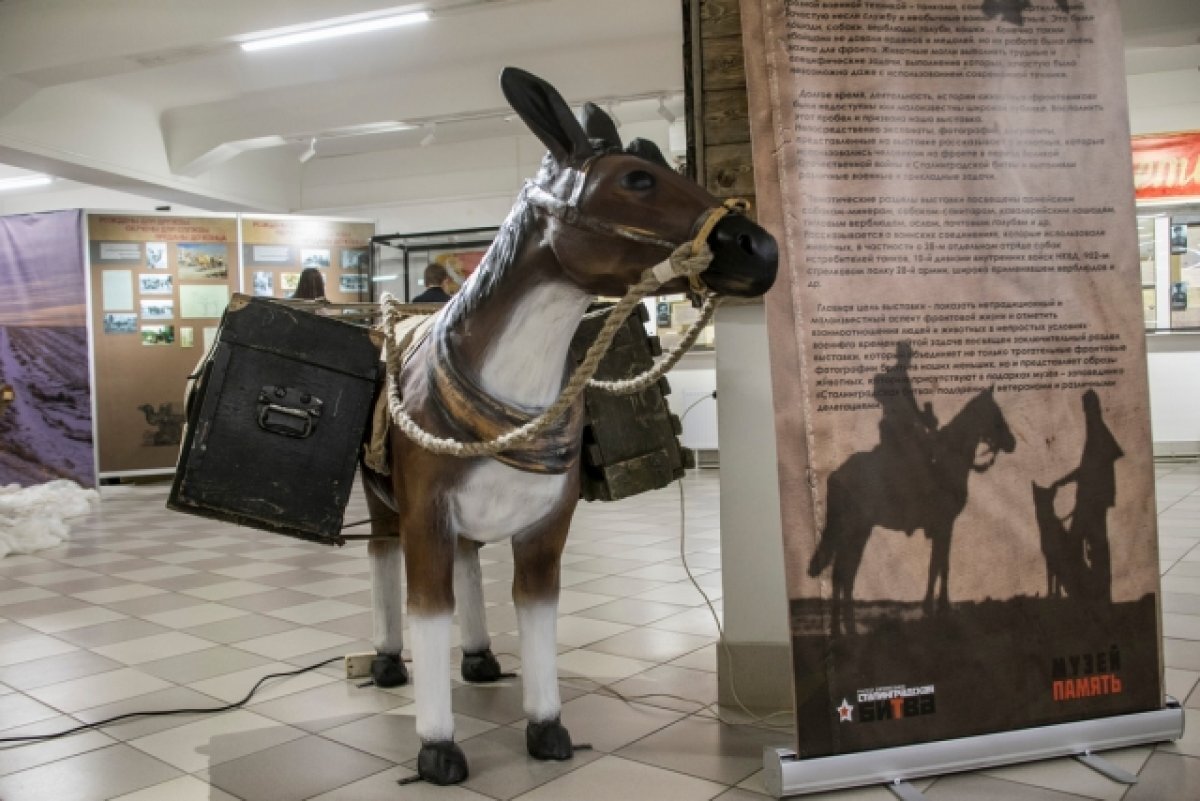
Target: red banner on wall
<point>1166,166</point>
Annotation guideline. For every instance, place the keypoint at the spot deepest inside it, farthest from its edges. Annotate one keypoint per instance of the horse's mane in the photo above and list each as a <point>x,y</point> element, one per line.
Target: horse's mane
<point>495,265</point>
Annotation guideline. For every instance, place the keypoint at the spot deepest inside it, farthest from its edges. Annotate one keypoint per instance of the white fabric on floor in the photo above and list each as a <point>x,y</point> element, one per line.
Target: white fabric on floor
<point>34,518</point>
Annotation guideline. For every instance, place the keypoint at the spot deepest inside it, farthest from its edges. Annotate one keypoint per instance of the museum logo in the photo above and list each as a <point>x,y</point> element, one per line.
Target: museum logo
<point>1086,675</point>
<point>888,703</point>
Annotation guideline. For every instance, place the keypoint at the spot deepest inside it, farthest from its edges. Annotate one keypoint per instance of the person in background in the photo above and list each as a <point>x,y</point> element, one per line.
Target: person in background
<point>439,285</point>
<point>311,285</point>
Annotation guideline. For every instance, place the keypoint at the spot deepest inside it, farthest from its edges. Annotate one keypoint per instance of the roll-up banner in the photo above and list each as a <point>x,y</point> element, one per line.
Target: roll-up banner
<point>959,366</point>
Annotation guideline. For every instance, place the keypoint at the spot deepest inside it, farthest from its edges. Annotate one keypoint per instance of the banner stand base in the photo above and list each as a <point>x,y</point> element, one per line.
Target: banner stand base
<point>786,775</point>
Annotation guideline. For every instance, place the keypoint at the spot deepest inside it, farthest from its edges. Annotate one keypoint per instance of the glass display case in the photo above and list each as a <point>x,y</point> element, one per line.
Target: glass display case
<point>1169,253</point>
<point>398,261</point>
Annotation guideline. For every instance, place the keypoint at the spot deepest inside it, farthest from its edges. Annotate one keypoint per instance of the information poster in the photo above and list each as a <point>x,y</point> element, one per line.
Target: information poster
<point>959,366</point>
<point>158,283</point>
<point>275,250</point>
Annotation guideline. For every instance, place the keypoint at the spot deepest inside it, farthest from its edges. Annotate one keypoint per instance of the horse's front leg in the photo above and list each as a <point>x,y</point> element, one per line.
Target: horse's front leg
<point>429,563</point>
<point>535,592</point>
<point>479,664</point>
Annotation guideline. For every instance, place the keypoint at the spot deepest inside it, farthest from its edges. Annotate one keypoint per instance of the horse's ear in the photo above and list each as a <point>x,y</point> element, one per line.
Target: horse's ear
<point>644,148</point>
<point>599,125</point>
<point>546,113</point>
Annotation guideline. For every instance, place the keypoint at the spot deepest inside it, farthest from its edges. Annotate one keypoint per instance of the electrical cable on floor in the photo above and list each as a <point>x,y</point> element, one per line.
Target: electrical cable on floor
<point>721,644</point>
<point>161,712</point>
<point>755,720</point>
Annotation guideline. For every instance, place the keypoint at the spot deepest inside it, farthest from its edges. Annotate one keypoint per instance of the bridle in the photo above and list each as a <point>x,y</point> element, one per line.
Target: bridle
<point>567,210</point>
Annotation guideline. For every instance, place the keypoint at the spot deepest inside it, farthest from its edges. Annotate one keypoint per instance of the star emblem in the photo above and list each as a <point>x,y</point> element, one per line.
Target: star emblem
<point>845,712</point>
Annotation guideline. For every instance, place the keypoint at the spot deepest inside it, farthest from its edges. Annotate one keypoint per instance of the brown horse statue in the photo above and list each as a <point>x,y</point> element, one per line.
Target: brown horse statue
<point>590,223</point>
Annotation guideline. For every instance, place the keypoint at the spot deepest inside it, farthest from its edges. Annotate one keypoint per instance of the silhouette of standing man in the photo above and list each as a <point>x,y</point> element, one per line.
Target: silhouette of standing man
<point>1095,494</point>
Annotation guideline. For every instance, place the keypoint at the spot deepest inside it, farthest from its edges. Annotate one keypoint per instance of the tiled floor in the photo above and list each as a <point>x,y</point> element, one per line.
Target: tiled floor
<point>150,609</point>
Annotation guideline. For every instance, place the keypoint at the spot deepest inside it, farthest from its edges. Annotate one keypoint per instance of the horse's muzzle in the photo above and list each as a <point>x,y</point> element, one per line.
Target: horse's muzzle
<point>745,258</point>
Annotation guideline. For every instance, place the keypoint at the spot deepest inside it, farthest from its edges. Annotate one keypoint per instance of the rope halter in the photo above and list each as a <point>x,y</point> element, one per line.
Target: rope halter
<point>687,260</point>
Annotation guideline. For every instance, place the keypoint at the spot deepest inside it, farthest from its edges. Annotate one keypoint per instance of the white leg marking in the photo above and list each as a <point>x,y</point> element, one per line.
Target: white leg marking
<point>468,597</point>
<point>431,676</point>
<point>388,620</point>
<point>538,624</point>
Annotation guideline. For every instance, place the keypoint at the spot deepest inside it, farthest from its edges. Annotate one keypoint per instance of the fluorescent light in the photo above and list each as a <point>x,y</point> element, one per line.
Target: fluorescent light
<point>332,31</point>
<point>25,182</point>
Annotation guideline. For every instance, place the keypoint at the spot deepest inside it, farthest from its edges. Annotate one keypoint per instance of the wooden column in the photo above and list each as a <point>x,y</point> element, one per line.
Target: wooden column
<point>719,150</point>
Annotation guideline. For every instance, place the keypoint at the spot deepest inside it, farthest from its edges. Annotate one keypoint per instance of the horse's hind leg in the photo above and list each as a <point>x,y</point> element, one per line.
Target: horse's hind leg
<point>387,668</point>
<point>845,572</point>
<point>535,592</point>
<point>478,663</point>
<point>939,567</point>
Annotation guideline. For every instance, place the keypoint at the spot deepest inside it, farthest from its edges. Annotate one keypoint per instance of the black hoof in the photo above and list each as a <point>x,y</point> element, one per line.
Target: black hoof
<point>481,667</point>
<point>442,763</point>
<point>549,740</point>
<point>388,670</point>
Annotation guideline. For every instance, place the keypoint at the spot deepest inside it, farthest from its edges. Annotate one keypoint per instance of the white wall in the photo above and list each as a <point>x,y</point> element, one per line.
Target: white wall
<point>1173,362</point>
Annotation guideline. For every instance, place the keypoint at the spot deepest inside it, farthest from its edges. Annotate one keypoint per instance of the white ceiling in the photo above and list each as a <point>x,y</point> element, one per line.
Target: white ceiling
<point>155,97</point>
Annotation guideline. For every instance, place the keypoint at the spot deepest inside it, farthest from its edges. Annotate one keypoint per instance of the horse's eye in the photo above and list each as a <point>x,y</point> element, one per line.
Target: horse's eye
<point>638,181</point>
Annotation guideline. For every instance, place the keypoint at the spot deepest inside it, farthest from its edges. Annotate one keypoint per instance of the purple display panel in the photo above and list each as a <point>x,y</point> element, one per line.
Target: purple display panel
<point>45,393</point>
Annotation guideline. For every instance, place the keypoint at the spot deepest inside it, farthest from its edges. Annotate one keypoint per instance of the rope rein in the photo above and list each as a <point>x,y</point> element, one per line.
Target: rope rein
<point>688,260</point>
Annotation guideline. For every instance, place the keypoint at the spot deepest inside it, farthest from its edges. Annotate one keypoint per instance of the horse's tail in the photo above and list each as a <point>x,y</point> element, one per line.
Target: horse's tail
<point>823,556</point>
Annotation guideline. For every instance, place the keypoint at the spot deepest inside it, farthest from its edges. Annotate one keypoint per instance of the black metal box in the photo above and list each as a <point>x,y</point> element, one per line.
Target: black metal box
<point>630,442</point>
<point>275,430</point>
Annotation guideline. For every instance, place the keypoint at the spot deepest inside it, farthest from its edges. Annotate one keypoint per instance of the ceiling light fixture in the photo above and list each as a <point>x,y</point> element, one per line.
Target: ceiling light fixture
<point>665,112</point>
<point>333,31</point>
<point>308,154</point>
<point>25,182</point>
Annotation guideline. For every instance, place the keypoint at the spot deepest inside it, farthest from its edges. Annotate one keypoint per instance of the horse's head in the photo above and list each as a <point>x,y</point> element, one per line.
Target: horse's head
<point>995,436</point>
<point>613,212</point>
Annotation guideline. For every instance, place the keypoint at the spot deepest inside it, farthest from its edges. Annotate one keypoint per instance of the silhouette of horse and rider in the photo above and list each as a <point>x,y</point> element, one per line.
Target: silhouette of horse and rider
<point>1078,563</point>
<point>915,478</point>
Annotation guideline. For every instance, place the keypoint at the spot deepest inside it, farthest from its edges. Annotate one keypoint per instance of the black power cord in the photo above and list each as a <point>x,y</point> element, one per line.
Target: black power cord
<point>32,738</point>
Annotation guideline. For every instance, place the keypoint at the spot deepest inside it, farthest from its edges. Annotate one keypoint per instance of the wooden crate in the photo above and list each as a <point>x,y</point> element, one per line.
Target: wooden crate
<point>274,435</point>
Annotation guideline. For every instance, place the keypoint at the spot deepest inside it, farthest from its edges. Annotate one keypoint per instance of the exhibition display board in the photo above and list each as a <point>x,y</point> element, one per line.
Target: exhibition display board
<point>45,398</point>
<point>159,286</point>
<point>276,249</point>
<point>959,367</point>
